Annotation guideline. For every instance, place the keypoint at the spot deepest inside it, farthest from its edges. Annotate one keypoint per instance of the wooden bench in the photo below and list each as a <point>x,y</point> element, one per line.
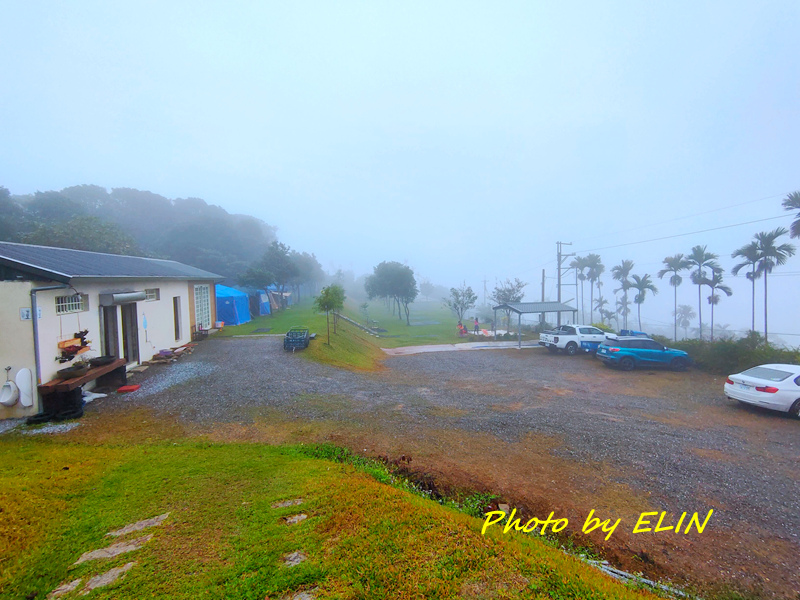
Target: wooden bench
<point>62,398</point>
<point>67,385</point>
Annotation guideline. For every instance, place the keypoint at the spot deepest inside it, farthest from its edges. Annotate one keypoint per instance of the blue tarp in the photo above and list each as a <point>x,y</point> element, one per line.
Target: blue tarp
<point>263,303</point>
<point>233,306</point>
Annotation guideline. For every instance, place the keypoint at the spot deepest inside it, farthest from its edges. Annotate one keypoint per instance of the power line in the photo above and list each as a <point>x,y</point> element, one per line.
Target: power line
<point>707,212</point>
<point>669,237</point>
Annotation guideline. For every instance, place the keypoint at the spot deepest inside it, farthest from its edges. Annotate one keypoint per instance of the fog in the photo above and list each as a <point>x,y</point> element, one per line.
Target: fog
<point>462,139</point>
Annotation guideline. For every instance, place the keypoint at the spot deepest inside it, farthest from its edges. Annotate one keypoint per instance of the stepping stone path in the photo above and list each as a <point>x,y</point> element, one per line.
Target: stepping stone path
<point>114,550</point>
<point>114,574</point>
<point>293,559</point>
<point>109,576</point>
<point>309,595</point>
<point>296,519</point>
<point>285,503</point>
<point>139,525</point>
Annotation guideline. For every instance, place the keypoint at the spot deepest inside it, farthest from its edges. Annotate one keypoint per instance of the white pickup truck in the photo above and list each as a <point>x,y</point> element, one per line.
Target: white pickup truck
<point>572,339</point>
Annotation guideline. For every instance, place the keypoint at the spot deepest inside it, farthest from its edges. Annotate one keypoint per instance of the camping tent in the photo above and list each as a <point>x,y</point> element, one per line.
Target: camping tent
<point>263,303</point>
<point>233,306</point>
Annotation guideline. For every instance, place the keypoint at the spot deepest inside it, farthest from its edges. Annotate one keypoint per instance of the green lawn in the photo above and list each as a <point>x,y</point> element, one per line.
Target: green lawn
<point>224,539</point>
<point>430,323</point>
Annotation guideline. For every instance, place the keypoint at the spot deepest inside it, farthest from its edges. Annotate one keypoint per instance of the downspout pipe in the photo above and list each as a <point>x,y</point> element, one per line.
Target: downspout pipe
<point>35,319</point>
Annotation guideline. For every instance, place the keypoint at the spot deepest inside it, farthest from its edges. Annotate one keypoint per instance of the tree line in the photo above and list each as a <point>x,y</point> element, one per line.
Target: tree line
<point>758,258</point>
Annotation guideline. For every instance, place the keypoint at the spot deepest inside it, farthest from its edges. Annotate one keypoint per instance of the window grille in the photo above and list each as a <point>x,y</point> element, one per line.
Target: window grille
<point>152,294</point>
<point>72,304</point>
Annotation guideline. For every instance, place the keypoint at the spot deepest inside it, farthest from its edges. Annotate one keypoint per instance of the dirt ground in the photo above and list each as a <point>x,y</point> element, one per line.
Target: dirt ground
<point>545,433</point>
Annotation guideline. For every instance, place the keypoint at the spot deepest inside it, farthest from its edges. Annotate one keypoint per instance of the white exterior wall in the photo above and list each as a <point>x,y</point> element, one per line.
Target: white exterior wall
<point>16,340</point>
<point>16,335</point>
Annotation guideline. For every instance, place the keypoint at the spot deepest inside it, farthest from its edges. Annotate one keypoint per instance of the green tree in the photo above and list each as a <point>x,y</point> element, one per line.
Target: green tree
<point>278,261</point>
<point>684,315</point>
<point>395,281</point>
<point>769,257</point>
<point>792,202</point>
<point>579,264</point>
<point>461,300</point>
<point>749,254</point>
<point>700,259</point>
<point>674,265</point>
<point>621,273</point>
<point>594,268</point>
<point>715,283</point>
<point>508,292</point>
<point>330,299</point>
<point>84,233</point>
<point>642,285</point>
<point>426,288</point>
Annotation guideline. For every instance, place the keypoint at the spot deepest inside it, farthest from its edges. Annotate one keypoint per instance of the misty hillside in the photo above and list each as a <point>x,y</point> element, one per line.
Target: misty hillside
<point>130,221</point>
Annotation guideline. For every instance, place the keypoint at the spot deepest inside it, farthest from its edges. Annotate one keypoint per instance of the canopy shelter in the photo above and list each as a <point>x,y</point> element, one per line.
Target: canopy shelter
<point>233,306</point>
<point>540,308</point>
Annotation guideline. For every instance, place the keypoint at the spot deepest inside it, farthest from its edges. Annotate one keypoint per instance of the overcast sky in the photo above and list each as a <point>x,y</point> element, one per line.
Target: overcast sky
<point>463,138</point>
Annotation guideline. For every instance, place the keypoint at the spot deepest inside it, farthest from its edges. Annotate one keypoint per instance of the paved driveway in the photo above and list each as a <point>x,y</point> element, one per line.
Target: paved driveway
<point>546,432</point>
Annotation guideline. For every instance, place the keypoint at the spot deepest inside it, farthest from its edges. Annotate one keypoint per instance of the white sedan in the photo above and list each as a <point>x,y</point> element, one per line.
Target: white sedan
<point>772,386</point>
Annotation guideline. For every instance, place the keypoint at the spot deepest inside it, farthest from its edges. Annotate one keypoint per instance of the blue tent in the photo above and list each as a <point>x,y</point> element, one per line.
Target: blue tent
<point>263,303</point>
<point>233,306</point>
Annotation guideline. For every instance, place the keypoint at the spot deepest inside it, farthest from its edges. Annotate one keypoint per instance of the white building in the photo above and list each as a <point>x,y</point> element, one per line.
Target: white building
<point>132,307</point>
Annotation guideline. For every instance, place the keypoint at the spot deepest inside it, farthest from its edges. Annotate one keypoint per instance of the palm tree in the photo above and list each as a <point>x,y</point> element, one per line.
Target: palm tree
<point>622,310</point>
<point>600,305</point>
<point>607,315</point>
<point>685,314</point>
<point>792,202</point>
<point>620,273</point>
<point>674,264</point>
<point>749,253</point>
<point>701,259</point>
<point>769,257</point>
<point>642,284</point>
<point>594,268</point>
<point>715,283</point>
<point>579,264</point>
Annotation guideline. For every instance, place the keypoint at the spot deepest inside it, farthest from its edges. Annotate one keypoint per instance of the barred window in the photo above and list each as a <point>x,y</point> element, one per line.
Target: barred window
<point>152,294</point>
<point>72,304</point>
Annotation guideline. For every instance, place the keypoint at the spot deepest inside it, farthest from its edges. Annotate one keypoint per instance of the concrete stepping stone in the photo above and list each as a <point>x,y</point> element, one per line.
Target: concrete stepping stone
<point>115,549</point>
<point>139,525</point>
<point>293,559</point>
<point>285,503</point>
<point>106,578</point>
<point>64,588</point>
<point>296,519</point>
<point>306,595</point>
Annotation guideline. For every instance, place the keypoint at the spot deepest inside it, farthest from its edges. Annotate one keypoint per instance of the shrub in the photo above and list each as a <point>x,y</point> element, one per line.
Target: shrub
<point>728,356</point>
<point>603,327</point>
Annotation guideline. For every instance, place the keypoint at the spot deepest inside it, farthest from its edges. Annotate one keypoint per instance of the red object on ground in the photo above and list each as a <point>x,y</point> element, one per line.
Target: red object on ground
<point>128,388</point>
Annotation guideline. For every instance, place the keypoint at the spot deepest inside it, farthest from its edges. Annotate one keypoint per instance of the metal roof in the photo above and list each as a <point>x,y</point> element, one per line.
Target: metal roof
<point>63,264</point>
<point>535,307</point>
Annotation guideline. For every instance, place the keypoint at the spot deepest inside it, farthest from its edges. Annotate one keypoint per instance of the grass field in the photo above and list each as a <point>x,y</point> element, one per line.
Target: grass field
<point>224,538</point>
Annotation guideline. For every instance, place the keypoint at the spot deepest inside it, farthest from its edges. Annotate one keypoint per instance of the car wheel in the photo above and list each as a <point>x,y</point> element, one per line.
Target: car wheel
<point>552,349</point>
<point>571,349</point>
<point>627,364</point>
<point>679,364</point>
<point>795,410</point>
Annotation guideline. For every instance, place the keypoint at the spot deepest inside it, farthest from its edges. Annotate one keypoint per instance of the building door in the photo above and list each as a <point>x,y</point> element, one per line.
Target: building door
<point>130,333</point>
<point>176,314</point>
<point>202,307</point>
<point>110,331</point>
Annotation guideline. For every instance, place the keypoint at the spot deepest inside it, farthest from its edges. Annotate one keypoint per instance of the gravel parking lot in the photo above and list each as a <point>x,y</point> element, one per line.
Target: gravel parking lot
<point>547,433</point>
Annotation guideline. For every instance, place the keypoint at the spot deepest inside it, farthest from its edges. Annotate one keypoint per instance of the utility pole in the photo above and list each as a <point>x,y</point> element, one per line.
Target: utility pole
<point>541,315</point>
<point>560,258</point>
<point>484,290</point>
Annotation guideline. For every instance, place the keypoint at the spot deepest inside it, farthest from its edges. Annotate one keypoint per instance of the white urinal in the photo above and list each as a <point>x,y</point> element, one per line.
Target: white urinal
<point>9,394</point>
